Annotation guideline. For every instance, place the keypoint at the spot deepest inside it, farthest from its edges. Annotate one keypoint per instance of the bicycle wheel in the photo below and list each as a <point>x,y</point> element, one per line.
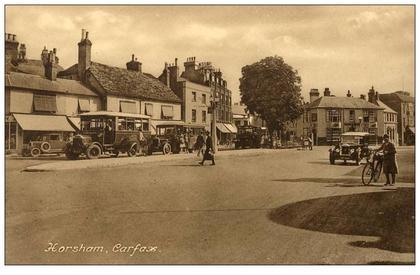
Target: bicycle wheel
<point>367,173</point>
<point>377,172</point>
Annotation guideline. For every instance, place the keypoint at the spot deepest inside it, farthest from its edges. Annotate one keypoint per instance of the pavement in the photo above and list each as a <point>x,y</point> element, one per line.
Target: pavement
<point>264,207</point>
<point>107,162</point>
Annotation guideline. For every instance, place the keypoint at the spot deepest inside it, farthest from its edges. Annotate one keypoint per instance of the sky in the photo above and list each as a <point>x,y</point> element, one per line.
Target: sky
<point>340,47</point>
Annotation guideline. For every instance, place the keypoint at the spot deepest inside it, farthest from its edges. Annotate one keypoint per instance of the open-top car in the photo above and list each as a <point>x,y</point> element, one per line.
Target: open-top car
<point>353,146</point>
<point>170,135</point>
<point>110,132</point>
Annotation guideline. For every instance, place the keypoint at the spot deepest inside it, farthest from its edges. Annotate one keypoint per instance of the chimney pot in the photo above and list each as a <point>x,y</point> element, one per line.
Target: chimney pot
<point>87,34</point>
<point>132,57</point>
<point>83,34</point>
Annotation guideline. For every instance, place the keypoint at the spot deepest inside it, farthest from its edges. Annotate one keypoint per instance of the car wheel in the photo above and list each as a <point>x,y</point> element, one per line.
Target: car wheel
<point>93,152</point>
<point>115,153</point>
<point>45,147</point>
<point>332,159</point>
<point>35,152</point>
<point>167,149</point>
<point>132,152</point>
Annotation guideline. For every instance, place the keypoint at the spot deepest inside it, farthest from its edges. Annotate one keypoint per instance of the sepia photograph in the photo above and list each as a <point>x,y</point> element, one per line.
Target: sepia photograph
<point>209,134</point>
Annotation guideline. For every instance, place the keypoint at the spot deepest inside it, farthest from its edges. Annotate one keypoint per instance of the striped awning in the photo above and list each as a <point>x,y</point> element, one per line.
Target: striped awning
<point>222,128</point>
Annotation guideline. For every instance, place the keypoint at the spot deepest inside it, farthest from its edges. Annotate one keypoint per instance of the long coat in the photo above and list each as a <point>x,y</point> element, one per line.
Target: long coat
<point>209,146</point>
<point>390,165</point>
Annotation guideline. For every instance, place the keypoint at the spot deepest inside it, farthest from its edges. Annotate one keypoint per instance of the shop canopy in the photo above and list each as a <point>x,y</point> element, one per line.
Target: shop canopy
<point>43,123</point>
<point>412,129</point>
<point>222,128</point>
<point>231,128</point>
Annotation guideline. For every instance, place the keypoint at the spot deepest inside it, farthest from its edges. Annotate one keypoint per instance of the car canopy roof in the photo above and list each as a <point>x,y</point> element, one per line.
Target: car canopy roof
<point>356,134</point>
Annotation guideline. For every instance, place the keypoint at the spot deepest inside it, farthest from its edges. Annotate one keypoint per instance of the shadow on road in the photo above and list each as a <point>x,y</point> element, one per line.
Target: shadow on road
<point>388,215</point>
<point>390,263</point>
<point>347,181</point>
<point>338,163</point>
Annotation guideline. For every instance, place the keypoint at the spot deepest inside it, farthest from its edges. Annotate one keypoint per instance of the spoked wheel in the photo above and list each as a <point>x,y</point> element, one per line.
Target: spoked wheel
<point>378,170</point>
<point>167,149</point>
<point>133,150</point>
<point>367,174</point>
<point>93,152</point>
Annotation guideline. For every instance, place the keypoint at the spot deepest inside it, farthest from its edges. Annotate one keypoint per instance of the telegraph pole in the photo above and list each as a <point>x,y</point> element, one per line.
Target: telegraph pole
<point>214,115</point>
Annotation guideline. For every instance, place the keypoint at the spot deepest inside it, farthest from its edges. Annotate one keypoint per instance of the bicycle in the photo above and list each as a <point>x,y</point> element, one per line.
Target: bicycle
<point>373,168</point>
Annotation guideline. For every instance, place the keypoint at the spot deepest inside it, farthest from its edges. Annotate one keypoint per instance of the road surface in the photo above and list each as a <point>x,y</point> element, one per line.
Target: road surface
<point>286,207</point>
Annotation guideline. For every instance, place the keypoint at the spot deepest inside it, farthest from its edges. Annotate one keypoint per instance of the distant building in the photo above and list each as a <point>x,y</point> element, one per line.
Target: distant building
<point>193,89</point>
<point>196,86</point>
<point>326,118</point>
<point>390,116</point>
<point>404,105</point>
<point>127,90</point>
<point>37,105</point>
<point>241,117</point>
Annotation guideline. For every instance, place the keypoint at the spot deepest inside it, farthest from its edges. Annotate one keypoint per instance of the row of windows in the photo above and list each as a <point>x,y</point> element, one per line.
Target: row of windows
<point>390,117</point>
<point>203,98</point>
<point>334,115</point>
<point>194,116</point>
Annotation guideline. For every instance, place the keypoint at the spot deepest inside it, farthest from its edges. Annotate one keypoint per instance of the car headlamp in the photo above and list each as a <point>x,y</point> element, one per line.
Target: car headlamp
<point>351,151</point>
<point>337,150</point>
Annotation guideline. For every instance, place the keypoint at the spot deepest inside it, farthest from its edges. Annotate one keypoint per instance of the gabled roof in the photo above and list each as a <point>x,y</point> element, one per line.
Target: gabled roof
<point>38,83</point>
<point>387,109</point>
<point>397,96</point>
<point>122,82</point>
<point>342,102</point>
<point>239,110</point>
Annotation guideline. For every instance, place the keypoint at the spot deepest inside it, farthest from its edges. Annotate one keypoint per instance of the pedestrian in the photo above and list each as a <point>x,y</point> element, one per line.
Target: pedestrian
<point>390,166</point>
<point>310,142</point>
<point>209,153</point>
<point>199,143</point>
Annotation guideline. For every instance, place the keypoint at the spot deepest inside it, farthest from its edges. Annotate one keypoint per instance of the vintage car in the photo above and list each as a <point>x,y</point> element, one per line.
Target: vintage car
<point>46,143</point>
<point>352,146</point>
<point>171,134</point>
<point>110,132</point>
<point>248,137</point>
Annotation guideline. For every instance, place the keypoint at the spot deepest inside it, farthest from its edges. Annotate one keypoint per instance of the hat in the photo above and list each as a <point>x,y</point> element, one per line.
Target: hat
<point>386,136</point>
<point>207,132</point>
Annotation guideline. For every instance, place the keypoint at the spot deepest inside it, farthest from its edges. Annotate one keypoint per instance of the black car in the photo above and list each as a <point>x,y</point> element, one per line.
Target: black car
<point>110,132</point>
<point>353,146</point>
<point>248,137</point>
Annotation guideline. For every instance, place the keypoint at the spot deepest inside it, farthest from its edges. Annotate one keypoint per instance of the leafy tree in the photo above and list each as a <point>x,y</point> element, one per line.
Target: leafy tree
<point>271,89</point>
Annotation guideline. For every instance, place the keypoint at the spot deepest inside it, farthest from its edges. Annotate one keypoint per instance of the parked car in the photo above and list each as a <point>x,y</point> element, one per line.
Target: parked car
<point>248,137</point>
<point>353,146</point>
<point>111,133</point>
<point>47,143</point>
<point>170,135</point>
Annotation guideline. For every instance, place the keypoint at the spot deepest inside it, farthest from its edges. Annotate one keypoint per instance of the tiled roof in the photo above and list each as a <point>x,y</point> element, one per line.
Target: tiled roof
<point>386,107</point>
<point>122,82</point>
<point>194,76</point>
<point>29,66</point>
<point>342,102</point>
<point>36,82</point>
<point>238,109</point>
<point>397,96</point>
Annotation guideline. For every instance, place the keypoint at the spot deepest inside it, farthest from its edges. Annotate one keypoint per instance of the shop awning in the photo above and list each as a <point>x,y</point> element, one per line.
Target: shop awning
<point>412,129</point>
<point>167,111</point>
<point>75,121</point>
<point>222,128</point>
<point>84,105</point>
<point>128,107</point>
<point>232,128</point>
<point>43,123</point>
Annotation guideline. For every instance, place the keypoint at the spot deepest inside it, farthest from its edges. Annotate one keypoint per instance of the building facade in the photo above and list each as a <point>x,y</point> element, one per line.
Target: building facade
<point>390,116</point>
<point>404,105</point>
<point>242,118</point>
<point>326,118</point>
<point>128,90</point>
<point>40,105</point>
<point>201,88</point>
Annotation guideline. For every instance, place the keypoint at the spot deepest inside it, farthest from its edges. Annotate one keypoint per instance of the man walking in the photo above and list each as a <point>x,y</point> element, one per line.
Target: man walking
<point>199,143</point>
<point>390,166</point>
<point>209,153</point>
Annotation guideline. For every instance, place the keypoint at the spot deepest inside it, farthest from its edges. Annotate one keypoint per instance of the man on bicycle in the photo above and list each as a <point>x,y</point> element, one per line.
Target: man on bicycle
<point>390,166</point>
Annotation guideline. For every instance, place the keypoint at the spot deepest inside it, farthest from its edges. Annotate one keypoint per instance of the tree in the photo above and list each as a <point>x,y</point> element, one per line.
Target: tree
<point>271,89</point>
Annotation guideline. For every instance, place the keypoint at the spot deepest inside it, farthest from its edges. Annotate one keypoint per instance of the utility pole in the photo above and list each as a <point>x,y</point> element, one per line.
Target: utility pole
<point>214,116</point>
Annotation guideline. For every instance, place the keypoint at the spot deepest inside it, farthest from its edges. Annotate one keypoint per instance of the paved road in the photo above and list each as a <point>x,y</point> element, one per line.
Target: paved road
<point>288,207</point>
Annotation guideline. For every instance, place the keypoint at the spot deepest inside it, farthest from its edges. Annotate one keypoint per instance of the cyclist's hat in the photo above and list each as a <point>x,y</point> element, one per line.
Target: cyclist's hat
<point>386,136</point>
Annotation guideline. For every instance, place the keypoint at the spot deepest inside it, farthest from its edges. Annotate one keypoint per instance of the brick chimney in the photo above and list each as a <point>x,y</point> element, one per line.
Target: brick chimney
<point>134,65</point>
<point>84,60</point>
<point>11,47</point>
<point>190,64</point>
<point>313,95</point>
<point>50,66</point>
<point>327,92</point>
<point>22,52</point>
<point>371,95</point>
<point>348,93</point>
<point>173,73</point>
